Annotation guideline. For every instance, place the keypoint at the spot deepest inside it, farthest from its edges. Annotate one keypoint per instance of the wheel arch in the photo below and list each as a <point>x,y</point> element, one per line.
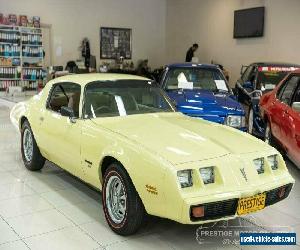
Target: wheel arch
<point>105,162</point>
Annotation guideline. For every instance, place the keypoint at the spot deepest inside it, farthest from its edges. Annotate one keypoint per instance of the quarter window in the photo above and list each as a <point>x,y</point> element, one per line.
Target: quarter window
<point>297,95</point>
<point>65,94</point>
<point>285,94</point>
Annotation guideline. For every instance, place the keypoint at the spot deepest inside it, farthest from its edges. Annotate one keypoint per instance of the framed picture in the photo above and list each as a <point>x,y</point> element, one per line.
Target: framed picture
<point>115,42</point>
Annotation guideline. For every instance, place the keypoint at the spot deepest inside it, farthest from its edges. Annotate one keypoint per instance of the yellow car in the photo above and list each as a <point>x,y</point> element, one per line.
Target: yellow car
<point>121,134</point>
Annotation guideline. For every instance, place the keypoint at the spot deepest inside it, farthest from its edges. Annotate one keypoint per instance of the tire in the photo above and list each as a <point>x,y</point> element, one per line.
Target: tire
<point>129,220</point>
<point>32,158</point>
<point>268,137</point>
<point>271,140</point>
<point>250,120</point>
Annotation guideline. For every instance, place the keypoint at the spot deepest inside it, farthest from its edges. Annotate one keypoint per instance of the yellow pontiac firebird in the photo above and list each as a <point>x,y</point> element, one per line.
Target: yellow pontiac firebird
<point>122,135</point>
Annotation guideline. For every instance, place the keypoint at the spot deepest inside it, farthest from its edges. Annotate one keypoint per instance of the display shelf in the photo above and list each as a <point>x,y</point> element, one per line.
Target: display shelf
<point>31,33</point>
<point>33,67</point>
<point>10,57</point>
<point>21,39</point>
<point>32,57</point>
<point>19,27</point>
<point>32,45</point>
<point>11,44</point>
<point>9,30</point>
<point>10,79</point>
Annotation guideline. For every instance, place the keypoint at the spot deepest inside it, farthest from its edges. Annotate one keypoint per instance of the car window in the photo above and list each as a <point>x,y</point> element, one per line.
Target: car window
<point>296,97</point>
<point>286,93</point>
<point>124,97</point>
<point>269,79</point>
<point>247,73</point>
<point>65,94</point>
<point>195,78</point>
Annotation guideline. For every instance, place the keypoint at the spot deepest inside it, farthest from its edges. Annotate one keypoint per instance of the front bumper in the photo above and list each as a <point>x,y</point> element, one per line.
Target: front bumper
<point>216,209</point>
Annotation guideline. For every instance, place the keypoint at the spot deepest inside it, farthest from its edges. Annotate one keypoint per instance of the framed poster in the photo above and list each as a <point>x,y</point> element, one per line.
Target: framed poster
<point>115,42</point>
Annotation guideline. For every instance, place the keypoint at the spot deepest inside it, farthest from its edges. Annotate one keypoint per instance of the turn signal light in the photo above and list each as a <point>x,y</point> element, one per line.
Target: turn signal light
<point>198,212</point>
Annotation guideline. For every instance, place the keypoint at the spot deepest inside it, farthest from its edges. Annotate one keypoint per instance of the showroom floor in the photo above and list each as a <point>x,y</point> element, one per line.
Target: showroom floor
<point>52,210</point>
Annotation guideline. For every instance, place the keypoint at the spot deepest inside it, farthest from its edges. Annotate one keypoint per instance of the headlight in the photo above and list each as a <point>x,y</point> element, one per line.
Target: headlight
<point>207,174</point>
<point>272,159</point>
<point>235,121</point>
<point>259,165</point>
<point>185,178</point>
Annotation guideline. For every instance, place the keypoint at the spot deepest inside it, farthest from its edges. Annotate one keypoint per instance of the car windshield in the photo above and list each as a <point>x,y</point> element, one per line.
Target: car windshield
<point>124,97</point>
<point>195,78</point>
<point>269,77</point>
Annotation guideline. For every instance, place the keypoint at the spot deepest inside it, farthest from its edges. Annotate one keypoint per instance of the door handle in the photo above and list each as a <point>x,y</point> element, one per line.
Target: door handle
<point>41,118</point>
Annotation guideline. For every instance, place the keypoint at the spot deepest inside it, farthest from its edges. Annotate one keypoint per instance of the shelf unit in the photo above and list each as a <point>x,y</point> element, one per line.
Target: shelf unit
<point>21,57</point>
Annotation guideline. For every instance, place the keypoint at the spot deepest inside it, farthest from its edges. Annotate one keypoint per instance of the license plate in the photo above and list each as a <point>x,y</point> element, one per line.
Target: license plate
<point>251,204</point>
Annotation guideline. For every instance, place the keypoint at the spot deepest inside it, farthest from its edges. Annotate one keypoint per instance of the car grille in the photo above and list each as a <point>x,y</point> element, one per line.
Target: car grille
<point>278,194</point>
<point>216,210</point>
<point>221,209</point>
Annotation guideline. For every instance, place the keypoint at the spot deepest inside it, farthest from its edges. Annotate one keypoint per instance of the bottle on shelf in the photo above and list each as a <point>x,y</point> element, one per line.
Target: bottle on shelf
<point>9,50</point>
<point>32,39</point>
<point>9,73</point>
<point>9,37</point>
<point>5,84</point>
<point>32,51</point>
<point>32,74</point>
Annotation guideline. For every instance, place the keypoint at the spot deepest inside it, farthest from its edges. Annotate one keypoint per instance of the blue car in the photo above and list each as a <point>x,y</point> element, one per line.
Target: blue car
<point>201,90</point>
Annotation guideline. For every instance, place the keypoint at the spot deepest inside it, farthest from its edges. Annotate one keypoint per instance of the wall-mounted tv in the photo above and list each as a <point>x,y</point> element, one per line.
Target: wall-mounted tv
<point>249,22</point>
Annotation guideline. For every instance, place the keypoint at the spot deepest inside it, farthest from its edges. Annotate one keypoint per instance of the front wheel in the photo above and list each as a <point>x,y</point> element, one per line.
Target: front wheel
<point>123,208</point>
<point>32,158</point>
<point>250,121</point>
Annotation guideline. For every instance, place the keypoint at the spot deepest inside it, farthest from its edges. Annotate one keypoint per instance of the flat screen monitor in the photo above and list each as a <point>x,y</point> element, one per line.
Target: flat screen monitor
<point>249,22</point>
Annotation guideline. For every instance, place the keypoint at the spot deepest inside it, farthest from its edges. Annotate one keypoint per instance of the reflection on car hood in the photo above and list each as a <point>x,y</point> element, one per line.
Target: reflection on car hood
<point>179,138</point>
<point>204,102</point>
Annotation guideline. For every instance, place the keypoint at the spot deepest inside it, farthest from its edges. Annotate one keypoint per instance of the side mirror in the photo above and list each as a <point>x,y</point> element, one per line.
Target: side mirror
<point>296,106</point>
<point>247,85</point>
<point>69,112</point>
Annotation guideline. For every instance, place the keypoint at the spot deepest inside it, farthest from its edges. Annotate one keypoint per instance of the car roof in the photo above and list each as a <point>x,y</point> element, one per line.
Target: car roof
<point>297,71</point>
<point>282,64</point>
<point>188,65</point>
<point>83,79</point>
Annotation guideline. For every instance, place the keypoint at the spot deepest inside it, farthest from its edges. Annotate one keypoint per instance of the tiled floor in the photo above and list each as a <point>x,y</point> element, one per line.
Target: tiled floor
<point>52,210</point>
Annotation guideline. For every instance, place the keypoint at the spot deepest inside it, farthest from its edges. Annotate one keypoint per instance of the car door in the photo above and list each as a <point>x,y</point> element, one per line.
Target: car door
<point>61,133</point>
<point>292,127</point>
<point>248,77</point>
<point>281,122</point>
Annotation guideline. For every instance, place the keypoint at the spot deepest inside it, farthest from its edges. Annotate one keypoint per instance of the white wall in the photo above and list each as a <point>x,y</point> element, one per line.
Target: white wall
<point>72,20</point>
<point>210,23</point>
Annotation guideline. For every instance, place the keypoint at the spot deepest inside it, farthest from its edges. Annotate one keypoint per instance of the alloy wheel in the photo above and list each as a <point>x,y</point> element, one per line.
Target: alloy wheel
<point>116,199</point>
<point>27,145</point>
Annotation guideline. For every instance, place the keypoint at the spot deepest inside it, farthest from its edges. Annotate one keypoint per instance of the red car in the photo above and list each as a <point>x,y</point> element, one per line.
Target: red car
<point>280,109</point>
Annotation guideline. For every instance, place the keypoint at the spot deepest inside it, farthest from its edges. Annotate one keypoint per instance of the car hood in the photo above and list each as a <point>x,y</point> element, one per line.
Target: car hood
<point>203,102</point>
<point>179,138</point>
